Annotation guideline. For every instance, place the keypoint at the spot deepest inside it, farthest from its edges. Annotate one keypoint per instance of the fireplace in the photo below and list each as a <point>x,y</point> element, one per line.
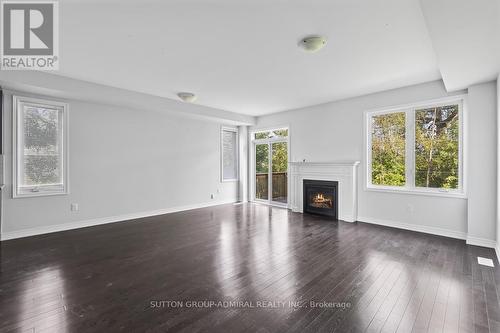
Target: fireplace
<point>321,197</point>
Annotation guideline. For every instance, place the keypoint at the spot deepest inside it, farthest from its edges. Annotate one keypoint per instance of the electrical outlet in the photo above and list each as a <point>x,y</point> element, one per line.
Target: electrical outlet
<point>74,207</point>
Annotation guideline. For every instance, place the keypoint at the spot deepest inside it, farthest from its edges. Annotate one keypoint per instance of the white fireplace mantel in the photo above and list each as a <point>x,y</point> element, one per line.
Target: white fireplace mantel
<point>345,172</point>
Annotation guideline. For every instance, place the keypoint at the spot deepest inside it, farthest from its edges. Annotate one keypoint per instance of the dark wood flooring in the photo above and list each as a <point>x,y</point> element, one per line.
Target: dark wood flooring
<point>242,260</point>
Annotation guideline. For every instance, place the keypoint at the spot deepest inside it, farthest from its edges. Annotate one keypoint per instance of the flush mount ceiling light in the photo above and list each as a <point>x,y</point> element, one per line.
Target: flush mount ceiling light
<point>312,43</point>
<point>187,97</point>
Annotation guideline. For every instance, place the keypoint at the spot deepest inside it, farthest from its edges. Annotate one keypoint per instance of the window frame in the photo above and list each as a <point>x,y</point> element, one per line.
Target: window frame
<point>18,103</point>
<point>253,142</point>
<point>235,130</point>
<point>410,110</point>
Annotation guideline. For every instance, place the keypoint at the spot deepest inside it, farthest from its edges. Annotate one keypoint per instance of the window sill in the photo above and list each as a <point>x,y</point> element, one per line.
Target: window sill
<point>229,180</point>
<point>41,193</point>
<point>443,194</point>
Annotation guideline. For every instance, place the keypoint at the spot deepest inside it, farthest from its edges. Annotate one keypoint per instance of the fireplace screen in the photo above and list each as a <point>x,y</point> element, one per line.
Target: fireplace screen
<point>320,197</point>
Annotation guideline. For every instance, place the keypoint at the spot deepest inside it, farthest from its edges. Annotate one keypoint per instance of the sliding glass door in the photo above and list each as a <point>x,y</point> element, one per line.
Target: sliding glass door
<point>271,166</point>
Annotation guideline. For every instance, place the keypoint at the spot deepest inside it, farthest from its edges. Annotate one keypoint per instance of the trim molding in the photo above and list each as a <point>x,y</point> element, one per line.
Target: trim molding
<point>103,220</point>
<point>469,240</point>
<point>484,242</point>
<point>415,227</point>
<point>344,172</point>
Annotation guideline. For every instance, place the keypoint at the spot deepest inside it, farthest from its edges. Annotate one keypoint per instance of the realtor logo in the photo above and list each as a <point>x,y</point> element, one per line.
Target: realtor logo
<point>29,35</point>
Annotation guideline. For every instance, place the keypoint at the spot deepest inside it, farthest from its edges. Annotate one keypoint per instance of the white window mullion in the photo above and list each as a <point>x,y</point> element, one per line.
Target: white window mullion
<point>462,152</point>
<point>368,141</point>
<point>270,173</point>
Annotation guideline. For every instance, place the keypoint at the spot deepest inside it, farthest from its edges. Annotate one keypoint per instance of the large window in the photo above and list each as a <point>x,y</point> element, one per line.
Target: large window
<point>39,147</point>
<point>416,148</point>
<point>229,150</point>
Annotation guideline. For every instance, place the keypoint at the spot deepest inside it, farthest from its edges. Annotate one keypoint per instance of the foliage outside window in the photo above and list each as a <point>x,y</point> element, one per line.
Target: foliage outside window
<point>437,147</point>
<point>280,151</point>
<point>39,147</point>
<point>280,157</point>
<point>416,148</point>
<point>278,133</point>
<point>388,149</point>
<point>262,171</point>
<point>262,159</point>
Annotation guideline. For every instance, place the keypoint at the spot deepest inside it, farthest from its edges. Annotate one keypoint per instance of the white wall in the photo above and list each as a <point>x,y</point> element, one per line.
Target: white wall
<point>482,163</point>
<point>122,162</point>
<point>334,131</point>
<point>243,165</point>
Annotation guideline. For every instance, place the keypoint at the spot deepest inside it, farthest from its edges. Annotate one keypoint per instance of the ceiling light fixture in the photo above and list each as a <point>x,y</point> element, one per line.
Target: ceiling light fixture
<point>187,97</point>
<point>312,43</point>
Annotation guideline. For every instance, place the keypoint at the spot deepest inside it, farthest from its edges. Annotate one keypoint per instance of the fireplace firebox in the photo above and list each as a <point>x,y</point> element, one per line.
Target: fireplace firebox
<point>321,197</point>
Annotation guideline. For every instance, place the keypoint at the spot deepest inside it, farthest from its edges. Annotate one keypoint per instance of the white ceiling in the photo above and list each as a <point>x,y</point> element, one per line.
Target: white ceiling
<point>466,38</point>
<point>242,56</point>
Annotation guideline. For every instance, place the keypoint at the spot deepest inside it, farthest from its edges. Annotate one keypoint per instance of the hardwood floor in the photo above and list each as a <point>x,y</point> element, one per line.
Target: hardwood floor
<point>330,276</point>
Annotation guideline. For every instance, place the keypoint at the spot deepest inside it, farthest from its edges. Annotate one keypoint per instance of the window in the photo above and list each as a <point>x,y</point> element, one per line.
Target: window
<point>417,148</point>
<point>388,149</point>
<point>437,147</point>
<point>274,134</point>
<point>39,147</point>
<point>270,166</point>
<point>229,150</point>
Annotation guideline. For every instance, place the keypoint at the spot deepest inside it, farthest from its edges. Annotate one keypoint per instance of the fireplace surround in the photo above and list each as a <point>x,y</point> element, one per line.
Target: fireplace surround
<point>343,172</point>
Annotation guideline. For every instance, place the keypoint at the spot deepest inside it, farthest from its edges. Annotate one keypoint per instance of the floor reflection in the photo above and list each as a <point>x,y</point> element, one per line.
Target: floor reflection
<point>39,304</point>
<point>274,257</point>
<point>398,295</point>
<point>261,238</point>
<point>226,261</point>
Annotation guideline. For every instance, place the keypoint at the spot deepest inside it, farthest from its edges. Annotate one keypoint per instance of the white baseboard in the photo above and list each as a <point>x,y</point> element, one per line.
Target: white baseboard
<point>484,242</point>
<point>436,231</point>
<point>347,218</point>
<point>416,227</point>
<point>103,220</point>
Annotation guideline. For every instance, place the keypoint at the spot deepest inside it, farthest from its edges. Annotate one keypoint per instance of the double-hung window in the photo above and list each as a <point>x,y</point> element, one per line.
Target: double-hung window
<point>40,131</point>
<point>229,154</point>
<point>416,148</point>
